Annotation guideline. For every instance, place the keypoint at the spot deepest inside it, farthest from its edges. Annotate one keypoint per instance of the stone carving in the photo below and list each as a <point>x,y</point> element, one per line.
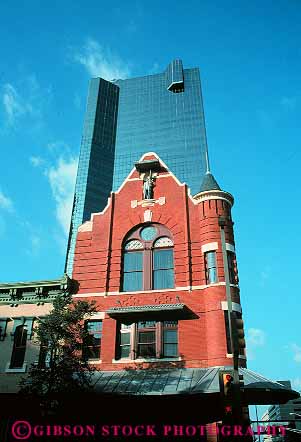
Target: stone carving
<point>148,187</point>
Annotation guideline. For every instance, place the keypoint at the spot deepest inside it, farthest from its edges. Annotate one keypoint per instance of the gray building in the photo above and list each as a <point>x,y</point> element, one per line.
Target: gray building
<point>288,414</point>
<point>126,118</point>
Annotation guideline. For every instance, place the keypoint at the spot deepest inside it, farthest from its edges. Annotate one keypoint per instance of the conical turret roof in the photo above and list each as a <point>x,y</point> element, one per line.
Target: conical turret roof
<point>209,183</point>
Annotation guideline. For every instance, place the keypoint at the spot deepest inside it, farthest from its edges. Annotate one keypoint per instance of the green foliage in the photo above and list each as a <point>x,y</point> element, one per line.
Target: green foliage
<point>61,334</point>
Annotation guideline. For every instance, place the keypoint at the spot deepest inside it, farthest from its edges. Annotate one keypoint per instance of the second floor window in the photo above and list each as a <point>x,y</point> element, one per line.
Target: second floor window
<point>210,267</point>
<point>148,262</point>
<point>147,340</point>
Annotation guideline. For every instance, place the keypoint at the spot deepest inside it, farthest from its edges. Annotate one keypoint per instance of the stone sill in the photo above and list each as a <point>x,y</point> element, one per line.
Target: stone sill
<point>123,361</point>
<point>16,370</point>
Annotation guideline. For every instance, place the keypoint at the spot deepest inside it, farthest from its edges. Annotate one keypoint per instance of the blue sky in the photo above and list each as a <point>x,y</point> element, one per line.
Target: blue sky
<point>249,54</point>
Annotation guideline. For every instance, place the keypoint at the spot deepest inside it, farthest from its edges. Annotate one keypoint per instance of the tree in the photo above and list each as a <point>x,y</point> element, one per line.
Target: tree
<point>61,367</point>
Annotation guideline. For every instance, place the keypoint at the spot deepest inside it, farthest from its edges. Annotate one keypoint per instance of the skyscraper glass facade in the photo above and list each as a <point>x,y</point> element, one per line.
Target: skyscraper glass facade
<point>162,113</point>
<point>96,159</point>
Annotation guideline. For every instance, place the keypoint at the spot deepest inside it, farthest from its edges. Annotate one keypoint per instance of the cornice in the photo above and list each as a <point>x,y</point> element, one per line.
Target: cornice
<point>214,195</point>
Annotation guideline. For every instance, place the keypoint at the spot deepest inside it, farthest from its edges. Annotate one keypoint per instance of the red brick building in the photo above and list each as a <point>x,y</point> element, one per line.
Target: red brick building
<point>159,261</point>
<point>153,262</point>
<point>160,264</point>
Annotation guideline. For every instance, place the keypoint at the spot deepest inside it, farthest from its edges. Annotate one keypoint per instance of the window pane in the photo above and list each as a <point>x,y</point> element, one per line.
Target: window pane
<point>170,350</point>
<point>147,350</point>
<point>211,262</point>
<point>132,281</point>
<point>211,270</point>
<point>147,344</point>
<point>132,261</point>
<point>231,267</point>
<point>163,279</point>
<point>145,337</point>
<point>94,326</point>
<point>212,275</point>
<point>92,352</point>
<point>92,342</point>
<point>163,259</point>
<point>170,336</point>
<point>163,242</point>
<point>125,351</point>
<point>125,338</point>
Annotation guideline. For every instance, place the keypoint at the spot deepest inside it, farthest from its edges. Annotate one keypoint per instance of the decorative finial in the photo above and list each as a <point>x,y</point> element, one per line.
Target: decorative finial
<point>207,161</point>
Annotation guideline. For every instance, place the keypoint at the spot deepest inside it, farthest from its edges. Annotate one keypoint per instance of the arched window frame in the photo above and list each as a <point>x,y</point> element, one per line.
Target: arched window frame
<point>19,347</point>
<point>146,261</point>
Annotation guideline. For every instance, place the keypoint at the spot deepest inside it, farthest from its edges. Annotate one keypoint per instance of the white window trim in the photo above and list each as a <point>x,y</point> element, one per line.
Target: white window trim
<point>16,370</point>
<point>230,247</point>
<point>235,306</point>
<point>97,315</point>
<point>209,247</point>
<point>230,356</point>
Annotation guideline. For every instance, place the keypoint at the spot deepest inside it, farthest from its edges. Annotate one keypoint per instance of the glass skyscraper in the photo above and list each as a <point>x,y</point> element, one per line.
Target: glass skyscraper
<point>162,113</point>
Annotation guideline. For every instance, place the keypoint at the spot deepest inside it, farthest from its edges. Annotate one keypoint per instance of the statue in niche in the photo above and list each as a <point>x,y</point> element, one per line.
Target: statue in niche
<point>148,186</point>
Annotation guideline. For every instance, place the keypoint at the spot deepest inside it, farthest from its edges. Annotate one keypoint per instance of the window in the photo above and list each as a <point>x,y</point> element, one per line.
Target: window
<point>19,347</point>
<point>148,262</point>
<point>210,267</point>
<point>231,267</point>
<point>3,324</point>
<point>44,356</point>
<point>92,341</point>
<point>148,340</point>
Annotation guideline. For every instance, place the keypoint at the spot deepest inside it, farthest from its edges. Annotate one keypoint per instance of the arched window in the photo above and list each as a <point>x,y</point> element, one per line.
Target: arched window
<point>148,262</point>
<point>19,347</point>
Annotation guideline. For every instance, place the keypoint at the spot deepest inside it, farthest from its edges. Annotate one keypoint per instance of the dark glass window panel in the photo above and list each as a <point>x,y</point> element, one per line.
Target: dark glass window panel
<point>125,351</point>
<point>43,355</point>
<point>146,350</point>
<point>132,281</point>
<point>132,261</point>
<point>163,279</point>
<point>92,342</point>
<point>232,278</point>
<point>171,336</point>
<point>170,339</point>
<point>228,339</point>
<point>146,337</point>
<point>147,344</point>
<point>19,347</point>
<point>170,350</point>
<point>3,324</point>
<point>163,259</point>
<point>92,352</point>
